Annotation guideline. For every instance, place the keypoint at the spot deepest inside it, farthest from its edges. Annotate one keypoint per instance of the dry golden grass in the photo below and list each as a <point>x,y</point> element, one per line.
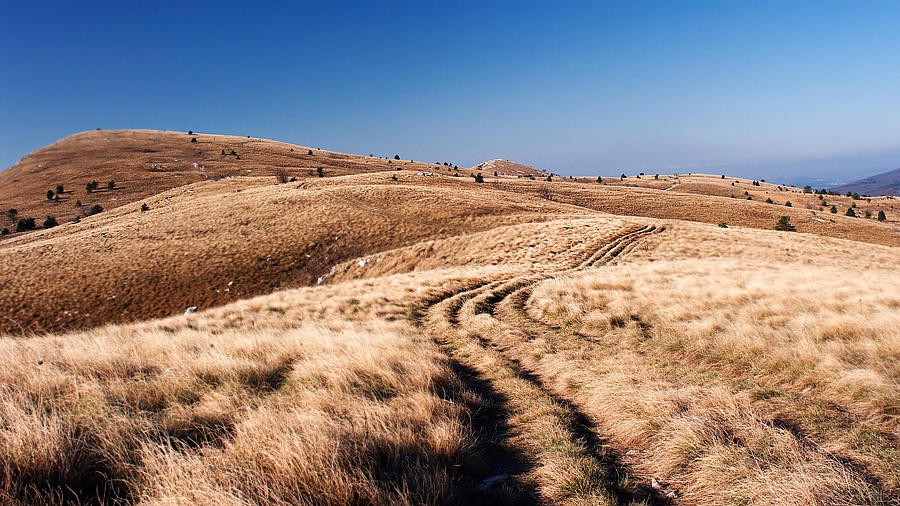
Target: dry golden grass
<point>590,360</point>
<point>250,404</point>
<point>455,332</point>
<point>126,264</point>
<point>767,377</point>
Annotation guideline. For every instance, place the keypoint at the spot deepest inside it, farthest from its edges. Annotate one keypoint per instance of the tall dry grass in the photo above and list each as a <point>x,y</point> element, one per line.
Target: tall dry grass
<point>771,382</point>
<point>163,414</point>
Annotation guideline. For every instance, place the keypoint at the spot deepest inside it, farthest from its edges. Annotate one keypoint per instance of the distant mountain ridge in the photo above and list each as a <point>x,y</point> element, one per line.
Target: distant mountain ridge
<point>886,183</point>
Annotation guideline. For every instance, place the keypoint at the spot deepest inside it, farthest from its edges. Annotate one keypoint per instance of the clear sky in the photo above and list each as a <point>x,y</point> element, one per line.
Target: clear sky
<point>754,88</point>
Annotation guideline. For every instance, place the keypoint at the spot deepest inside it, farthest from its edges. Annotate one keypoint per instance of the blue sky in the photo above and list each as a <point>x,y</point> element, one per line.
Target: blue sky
<point>759,88</point>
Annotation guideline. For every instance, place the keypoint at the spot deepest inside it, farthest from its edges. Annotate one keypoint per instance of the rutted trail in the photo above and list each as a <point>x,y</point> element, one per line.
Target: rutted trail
<point>567,462</point>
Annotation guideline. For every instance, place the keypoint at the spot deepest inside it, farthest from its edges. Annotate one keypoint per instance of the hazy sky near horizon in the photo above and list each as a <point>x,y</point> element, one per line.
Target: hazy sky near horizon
<point>757,88</point>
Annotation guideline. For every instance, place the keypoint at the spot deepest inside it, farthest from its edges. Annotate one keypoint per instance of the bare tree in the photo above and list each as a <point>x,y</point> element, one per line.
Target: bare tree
<point>282,175</point>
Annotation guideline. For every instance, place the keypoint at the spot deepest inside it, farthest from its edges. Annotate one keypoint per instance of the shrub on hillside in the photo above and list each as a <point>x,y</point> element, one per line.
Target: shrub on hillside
<point>833,209</point>
<point>77,203</point>
<point>479,178</point>
<point>723,225</point>
<point>95,209</point>
<point>770,201</point>
<point>319,172</point>
<point>309,153</point>
<point>59,189</point>
<point>49,194</point>
<point>784,224</point>
<point>111,185</point>
<point>850,212</point>
<point>788,204</point>
<point>881,216</point>
<point>396,157</point>
<point>144,208</point>
<point>5,231</point>
<point>25,224</point>
<point>50,222</point>
<point>282,176</point>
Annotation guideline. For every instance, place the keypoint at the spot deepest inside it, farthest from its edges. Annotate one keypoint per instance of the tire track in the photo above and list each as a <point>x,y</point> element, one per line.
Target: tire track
<point>568,462</point>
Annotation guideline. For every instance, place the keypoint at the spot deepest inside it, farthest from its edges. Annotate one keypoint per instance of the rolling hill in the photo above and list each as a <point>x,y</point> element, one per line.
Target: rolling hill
<point>384,336</point>
<point>886,183</point>
<point>142,163</point>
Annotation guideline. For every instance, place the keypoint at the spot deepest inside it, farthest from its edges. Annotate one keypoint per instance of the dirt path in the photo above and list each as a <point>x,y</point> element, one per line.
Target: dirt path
<point>561,456</point>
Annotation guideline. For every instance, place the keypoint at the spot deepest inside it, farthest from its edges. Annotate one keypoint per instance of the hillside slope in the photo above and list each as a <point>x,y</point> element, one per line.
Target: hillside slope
<point>142,163</point>
<point>580,361</point>
<point>507,168</point>
<point>210,243</point>
<point>886,183</point>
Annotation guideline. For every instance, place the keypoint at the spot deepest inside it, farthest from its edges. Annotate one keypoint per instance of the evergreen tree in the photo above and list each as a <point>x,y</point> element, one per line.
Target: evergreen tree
<point>784,224</point>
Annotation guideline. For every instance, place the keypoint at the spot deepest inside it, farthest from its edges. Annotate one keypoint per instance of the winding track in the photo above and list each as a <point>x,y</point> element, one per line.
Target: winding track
<point>568,463</point>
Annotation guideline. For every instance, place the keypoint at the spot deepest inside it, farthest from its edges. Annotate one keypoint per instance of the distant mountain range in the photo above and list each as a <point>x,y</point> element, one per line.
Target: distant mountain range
<point>886,183</point>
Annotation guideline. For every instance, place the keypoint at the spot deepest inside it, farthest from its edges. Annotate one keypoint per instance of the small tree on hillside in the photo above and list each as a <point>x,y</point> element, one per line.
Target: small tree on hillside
<point>309,153</point>
<point>59,189</point>
<point>144,208</point>
<point>479,178</point>
<point>111,185</point>
<point>25,224</point>
<point>49,194</point>
<point>881,216</point>
<point>784,224</point>
<point>850,212</point>
<point>50,222</point>
<point>788,204</point>
<point>833,209</point>
<point>396,157</point>
<point>770,201</point>
<point>95,209</point>
<point>319,172</point>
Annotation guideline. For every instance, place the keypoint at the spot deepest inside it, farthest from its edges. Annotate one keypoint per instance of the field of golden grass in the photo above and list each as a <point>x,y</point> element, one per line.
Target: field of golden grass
<point>392,337</point>
<point>576,361</point>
